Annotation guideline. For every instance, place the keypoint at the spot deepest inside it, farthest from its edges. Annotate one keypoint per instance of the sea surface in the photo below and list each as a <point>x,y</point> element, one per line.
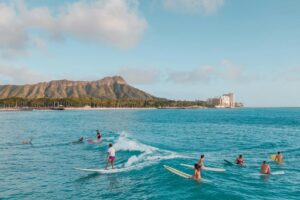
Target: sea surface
<point>146,140</point>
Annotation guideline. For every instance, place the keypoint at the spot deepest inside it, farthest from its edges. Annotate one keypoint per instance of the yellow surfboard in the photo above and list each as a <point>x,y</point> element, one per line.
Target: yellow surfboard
<point>273,157</point>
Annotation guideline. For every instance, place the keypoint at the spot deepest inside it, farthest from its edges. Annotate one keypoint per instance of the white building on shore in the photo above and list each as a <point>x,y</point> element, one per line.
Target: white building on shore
<point>224,101</point>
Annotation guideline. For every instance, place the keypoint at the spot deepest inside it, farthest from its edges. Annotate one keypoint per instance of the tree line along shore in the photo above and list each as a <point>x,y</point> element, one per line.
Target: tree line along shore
<point>52,103</point>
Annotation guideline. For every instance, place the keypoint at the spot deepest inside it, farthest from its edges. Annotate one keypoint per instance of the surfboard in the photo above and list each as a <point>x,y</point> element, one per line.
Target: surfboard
<point>272,173</point>
<point>206,168</point>
<point>182,174</point>
<point>102,171</point>
<point>273,157</point>
<point>228,162</point>
<point>93,141</point>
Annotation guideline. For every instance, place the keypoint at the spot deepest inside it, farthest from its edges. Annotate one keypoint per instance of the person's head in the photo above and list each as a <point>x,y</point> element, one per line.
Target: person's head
<point>240,156</point>
<point>202,156</point>
<point>110,145</point>
<point>264,162</point>
<point>278,152</point>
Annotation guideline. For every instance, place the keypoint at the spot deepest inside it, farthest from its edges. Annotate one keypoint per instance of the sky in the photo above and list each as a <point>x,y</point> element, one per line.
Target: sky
<point>176,49</point>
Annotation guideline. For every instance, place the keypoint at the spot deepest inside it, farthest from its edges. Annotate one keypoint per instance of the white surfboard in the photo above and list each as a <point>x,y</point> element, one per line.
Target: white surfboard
<point>103,171</point>
<point>272,173</point>
<point>182,174</point>
<point>206,168</point>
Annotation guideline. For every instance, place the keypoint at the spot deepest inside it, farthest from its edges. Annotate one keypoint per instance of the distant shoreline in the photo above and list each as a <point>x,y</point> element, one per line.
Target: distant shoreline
<point>109,108</point>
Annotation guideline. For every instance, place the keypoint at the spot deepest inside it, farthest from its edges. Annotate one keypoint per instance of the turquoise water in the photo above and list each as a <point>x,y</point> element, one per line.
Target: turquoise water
<point>146,140</point>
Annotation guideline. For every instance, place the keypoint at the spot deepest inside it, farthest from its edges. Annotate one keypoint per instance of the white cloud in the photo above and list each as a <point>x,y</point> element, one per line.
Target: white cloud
<point>20,75</point>
<point>226,72</point>
<point>117,22</point>
<point>140,76</point>
<point>193,6</point>
<point>201,74</point>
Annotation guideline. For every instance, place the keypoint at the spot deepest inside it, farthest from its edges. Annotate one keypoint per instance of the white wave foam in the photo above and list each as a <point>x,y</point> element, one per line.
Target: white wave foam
<point>126,144</point>
<point>148,155</point>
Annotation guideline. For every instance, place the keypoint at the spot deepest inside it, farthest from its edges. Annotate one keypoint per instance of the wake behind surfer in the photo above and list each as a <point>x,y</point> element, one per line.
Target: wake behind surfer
<point>200,162</point>
<point>111,155</point>
<point>265,168</point>
<point>240,160</point>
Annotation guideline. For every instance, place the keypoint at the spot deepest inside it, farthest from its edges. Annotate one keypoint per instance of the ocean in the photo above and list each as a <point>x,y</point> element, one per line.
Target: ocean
<point>145,140</point>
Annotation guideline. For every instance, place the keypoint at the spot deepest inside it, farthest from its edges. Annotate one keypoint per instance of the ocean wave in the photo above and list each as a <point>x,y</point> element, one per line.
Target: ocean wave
<point>146,154</point>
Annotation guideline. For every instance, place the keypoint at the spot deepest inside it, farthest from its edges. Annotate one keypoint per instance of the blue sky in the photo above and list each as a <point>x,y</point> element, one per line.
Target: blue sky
<point>178,49</point>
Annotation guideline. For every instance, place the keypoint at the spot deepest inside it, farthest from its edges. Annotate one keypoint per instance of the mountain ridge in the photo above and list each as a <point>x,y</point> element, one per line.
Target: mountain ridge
<point>114,87</point>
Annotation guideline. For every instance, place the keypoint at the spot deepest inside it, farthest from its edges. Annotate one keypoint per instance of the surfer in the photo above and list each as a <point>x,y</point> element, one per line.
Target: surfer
<point>98,135</point>
<point>279,157</point>
<point>200,162</point>
<point>239,160</point>
<point>27,141</point>
<point>265,168</point>
<point>197,173</point>
<point>111,155</point>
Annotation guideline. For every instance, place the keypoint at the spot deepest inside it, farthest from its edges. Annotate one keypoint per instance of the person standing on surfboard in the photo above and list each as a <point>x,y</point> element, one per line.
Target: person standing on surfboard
<point>111,155</point>
<point>200,162</point>
<point>197,173</point>
<point>265,168</point>
<point>239,160</point>
<point>279,157</point>
<point>98,135</point>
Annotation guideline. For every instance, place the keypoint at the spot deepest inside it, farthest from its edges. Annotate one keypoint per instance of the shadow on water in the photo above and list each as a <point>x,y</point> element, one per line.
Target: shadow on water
<point>88,177</point>
<point>265,178</point>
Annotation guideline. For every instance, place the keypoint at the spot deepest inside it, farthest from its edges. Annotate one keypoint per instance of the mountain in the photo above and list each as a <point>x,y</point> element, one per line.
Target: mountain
<point>107,88</point>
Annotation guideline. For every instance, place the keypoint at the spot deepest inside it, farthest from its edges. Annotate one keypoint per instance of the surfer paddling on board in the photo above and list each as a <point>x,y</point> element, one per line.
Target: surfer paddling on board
<point>265,168</point>
<point>200,162</point>
<point>279,157</point>
<point>111,155</point>
<point>98,135</point>
<point>240,160</point>
<point>197,173</point>
<point>80,140</point>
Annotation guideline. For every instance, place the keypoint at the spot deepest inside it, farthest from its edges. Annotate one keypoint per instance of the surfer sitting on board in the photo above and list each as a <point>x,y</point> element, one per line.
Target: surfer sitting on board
<point>279,157</point>
<point>98,135</point>
<point>197,173</point>
<point>111,155</point>
<point>239,160</point>
<point>200,162</point>
<point>265,168</point>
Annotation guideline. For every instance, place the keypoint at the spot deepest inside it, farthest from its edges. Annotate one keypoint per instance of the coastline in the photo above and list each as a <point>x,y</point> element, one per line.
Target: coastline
<point>101,108</point>
<point>88,108</point>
